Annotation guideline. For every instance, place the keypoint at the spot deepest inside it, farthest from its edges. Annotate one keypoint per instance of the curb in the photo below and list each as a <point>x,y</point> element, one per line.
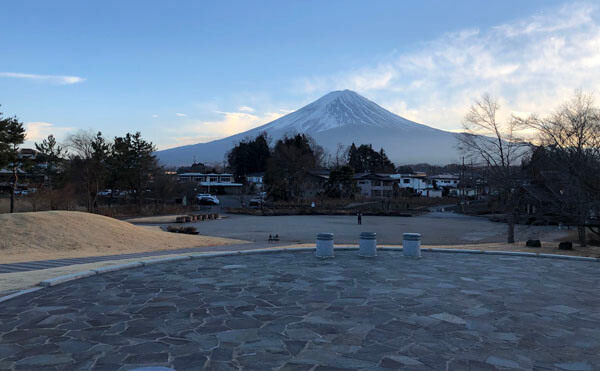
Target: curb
<point>66,278</point>
<point>164,260</point>
<point>112,268</point>
<point>74,276</point>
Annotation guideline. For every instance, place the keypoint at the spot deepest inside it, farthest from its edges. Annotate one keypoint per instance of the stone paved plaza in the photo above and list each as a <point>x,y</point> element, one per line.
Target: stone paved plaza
<point>291,311</point>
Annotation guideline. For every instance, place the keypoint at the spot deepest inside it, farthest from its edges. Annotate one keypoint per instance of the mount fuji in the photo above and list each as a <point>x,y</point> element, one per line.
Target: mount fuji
<point>338,117</point>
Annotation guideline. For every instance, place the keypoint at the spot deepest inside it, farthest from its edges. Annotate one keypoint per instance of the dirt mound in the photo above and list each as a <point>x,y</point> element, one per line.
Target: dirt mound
<point>60,234</point>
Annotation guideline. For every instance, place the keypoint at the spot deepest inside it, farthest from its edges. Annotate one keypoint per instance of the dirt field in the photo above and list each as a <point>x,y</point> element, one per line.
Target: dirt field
<point>68,234</point>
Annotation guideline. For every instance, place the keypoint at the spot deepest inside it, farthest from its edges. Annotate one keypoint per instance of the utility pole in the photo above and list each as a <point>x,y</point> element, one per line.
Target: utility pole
<point>462,185</point>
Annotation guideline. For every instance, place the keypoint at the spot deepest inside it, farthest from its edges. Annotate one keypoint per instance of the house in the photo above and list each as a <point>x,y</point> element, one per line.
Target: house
<point>26,180</point>
<point>375,185</point>
<point>417,182</point>
<point>256,180</point>
<point>314,182</point>
<point>211,182</point>
<point>444,180</point>
<point>463,192</point>
<point>432,193</point>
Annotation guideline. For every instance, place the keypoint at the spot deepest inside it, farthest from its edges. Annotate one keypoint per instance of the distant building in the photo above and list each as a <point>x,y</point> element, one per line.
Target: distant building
<point>432,193</point>
<point>415,181</point>
<point>314,182</point>
<point>463,192</point>
<point>444,180</point>
<point>256,180</point>
<point>375,185</point>
<point>212,183</point>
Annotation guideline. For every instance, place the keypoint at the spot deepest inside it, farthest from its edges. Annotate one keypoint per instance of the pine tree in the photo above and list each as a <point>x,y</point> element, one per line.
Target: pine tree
<point>12,135</point>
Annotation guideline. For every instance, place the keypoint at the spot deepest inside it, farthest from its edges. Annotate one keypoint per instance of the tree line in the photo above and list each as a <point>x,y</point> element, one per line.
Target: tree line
<point>82,167</point>
<point>286,164</point>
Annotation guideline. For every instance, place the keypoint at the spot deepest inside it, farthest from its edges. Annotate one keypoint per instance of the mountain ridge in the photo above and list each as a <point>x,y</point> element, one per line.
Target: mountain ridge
<point>343,117</point>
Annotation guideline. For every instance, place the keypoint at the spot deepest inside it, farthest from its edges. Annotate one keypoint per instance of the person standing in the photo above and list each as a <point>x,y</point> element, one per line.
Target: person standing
<point>359,216</point>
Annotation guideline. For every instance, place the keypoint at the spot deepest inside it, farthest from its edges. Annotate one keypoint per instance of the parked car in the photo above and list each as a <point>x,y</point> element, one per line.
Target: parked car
<point>207,199</point>
<point>256,202</point>
<point>105,192</point>
<point>25,192</point>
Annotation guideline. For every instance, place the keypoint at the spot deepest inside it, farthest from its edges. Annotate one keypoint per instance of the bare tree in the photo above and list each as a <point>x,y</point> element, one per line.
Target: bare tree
<point>497,146</point>
<point>571,140</point>
<point>89,152</point>
<point>340,157</point>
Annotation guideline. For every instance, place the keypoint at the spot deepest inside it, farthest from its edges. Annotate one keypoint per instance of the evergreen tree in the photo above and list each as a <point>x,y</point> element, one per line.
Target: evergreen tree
<point>12,135</point>
<point>131,163</point>
<point>291,160</point>
<point>249,156</point>
<point>50,158</point>
<point>365,159</point>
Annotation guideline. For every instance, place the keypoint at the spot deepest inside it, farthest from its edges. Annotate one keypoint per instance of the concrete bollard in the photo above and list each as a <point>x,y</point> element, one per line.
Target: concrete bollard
<point>324,245</point>
<point>411,245</point>
<point>368,244</point>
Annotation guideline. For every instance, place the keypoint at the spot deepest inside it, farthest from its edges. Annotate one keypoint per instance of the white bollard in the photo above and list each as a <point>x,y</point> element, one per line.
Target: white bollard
<point>368,244</point>
<point>411,245</point>
<point>324,245</point>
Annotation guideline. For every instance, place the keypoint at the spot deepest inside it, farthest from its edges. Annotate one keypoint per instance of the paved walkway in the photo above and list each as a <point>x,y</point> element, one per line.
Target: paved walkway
<point>291,311</point>
<point>46,264</point>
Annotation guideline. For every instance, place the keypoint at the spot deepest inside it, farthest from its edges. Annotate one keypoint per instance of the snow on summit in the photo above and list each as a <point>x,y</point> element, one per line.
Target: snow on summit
<point>338,109</point>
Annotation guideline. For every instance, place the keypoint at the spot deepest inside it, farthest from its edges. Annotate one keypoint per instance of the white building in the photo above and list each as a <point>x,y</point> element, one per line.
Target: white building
<point>417,182</point>
<point>256,179</point>
<point>216,183</point>
<point>444,180</point>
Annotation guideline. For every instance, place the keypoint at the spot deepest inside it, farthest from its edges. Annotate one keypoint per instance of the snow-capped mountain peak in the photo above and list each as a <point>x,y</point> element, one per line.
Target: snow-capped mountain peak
<point>338,109</point>
<point>340,117</point>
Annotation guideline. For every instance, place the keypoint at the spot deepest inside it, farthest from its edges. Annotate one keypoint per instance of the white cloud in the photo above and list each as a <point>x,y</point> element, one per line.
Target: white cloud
<point>154,116</point>
<point>533,64</point>
<point>245,109</point>
<point>180,115</point>
<point>197,131</point>
<point>55,79</point>
<point>36,131</point>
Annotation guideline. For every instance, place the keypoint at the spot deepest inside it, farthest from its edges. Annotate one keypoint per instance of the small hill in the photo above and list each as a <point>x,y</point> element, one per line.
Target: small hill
<point>67,234</point>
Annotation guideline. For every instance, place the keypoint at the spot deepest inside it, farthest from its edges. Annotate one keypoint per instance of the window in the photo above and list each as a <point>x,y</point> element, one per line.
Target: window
<point>376,183</point>
<point>214,179</point>
<point>375,192</point>
<point>226,179</point>
<point>406,181</point>
<point>362,182</point>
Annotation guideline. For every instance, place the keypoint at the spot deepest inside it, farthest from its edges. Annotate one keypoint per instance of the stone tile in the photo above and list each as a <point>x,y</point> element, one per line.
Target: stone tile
<point>290,311</point>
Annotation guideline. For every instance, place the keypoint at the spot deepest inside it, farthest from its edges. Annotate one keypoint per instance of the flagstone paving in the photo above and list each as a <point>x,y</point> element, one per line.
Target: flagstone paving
<point>291,311</point>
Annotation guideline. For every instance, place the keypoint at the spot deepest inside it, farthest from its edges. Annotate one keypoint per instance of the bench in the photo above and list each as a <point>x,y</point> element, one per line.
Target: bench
<point>273,238</point>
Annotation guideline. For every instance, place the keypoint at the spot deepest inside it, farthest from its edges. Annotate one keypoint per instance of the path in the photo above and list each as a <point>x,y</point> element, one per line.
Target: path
<point>291,311</point>
<point>46,264</point>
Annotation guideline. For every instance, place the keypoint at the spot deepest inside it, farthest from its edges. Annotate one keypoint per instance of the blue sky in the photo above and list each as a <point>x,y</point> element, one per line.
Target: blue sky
<point>189,71</point>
